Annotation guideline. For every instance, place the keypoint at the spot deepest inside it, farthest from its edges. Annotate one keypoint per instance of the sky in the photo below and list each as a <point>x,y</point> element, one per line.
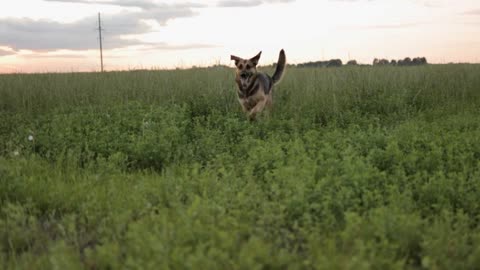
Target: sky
<point>62,35</point>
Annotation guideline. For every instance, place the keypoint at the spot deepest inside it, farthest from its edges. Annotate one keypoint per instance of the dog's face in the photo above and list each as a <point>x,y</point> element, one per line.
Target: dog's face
<point>246,68</point>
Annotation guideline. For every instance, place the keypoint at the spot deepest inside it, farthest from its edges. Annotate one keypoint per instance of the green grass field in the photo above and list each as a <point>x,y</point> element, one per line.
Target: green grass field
<point>355,168</point>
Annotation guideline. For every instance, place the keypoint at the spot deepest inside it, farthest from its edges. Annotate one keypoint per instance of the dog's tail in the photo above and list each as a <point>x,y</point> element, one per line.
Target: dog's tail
<point>282,61</point>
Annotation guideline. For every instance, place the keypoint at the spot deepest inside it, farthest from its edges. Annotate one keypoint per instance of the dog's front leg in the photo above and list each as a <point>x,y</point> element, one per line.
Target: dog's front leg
<point>258,108</point>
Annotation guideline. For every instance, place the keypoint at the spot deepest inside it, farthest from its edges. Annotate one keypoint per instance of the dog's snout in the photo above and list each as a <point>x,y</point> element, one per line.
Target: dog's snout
<point>244,75</point>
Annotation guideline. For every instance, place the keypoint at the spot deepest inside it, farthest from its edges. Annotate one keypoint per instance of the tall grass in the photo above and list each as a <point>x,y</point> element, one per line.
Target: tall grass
<point>328,90</point>
<point>355,168</point>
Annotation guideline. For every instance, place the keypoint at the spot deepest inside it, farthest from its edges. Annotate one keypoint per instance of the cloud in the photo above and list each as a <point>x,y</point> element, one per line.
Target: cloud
<point>249,3</point>
<point>54,56</point>
<point>349,0</point>
<point>149,4</point>
<point>148,9</point>
<point>233,3</point>
<point>381,26</point>
<point>391,26</point>
<point>166,46</point>
<point>142,4</point>
<point>6,52</point>
<point>121,29</point>
<point>43,34</point>
<point>431,3</point>
<point>472,12</point>
<point>29,34</point>
<point>426,3</point>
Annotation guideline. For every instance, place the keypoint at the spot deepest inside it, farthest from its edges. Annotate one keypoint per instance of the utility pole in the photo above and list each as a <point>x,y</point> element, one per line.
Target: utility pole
<point>100,38</point>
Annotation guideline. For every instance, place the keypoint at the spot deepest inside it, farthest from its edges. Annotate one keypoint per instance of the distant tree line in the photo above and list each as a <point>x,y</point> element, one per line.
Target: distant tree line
<point>417,61</point>
<point>329,63</point>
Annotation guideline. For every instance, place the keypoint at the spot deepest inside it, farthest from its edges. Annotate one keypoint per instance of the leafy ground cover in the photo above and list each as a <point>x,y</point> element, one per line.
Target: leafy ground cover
<point>355,168</point>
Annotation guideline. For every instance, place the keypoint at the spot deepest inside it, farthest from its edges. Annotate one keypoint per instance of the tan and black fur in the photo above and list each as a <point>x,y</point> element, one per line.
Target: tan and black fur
<point>255,88</point>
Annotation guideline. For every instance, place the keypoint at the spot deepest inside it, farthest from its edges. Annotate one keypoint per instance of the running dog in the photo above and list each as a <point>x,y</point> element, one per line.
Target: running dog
<point>255,88</point>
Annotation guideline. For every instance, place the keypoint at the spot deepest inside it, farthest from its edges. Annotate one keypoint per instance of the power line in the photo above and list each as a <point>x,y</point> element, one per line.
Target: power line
<point>100,38</point>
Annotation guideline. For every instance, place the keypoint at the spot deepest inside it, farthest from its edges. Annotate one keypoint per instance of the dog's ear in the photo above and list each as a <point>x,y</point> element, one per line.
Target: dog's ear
<point>235,58</point>
<point>255,59</point>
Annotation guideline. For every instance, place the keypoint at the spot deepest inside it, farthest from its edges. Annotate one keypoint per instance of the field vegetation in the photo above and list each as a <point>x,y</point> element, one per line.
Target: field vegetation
<point>355,168</point>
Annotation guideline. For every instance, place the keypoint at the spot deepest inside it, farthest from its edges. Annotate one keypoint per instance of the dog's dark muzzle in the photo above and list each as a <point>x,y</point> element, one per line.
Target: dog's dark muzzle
<point>244,75</point>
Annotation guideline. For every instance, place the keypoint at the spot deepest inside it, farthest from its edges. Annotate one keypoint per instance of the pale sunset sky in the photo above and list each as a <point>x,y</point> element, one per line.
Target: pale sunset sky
<point>61,35</point>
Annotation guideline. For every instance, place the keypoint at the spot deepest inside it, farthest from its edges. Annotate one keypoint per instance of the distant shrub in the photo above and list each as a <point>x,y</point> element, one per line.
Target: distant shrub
<point>329,63</point>
<point>352,63</point>
<point>417,61</point>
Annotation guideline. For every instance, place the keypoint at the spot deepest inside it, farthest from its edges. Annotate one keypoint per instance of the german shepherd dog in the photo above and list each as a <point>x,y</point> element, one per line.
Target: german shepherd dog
<point>255,88</point>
